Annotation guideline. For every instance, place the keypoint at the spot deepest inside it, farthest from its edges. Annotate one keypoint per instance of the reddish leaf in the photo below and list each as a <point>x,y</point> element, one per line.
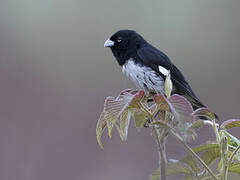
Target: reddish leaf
<point>112,110</point>
<point>162,102</point>
<point>182,106</point>
<point>136,100</point>
<point>117,112</point>
<point>231,123</point>
<point>127,92</point>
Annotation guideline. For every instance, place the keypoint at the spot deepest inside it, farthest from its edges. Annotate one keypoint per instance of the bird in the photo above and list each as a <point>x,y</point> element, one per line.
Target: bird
<point>148,66</point>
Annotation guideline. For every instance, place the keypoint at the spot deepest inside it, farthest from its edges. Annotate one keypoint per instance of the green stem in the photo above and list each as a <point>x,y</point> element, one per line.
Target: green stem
<point>216,131</point>
<point>192,152</point>
<point>225,172</point>
<point>233,154</point>
<point>161,153</point>
<point>226,167</point>
<point>195,155</point>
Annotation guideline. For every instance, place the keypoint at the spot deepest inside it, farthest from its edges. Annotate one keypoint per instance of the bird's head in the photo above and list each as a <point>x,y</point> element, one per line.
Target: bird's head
<point>124,45</point>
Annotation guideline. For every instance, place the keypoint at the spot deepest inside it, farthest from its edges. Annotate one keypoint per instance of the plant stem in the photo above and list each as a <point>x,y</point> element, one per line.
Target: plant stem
<point>233,154</point>
<point>215,128</point>
<point>195,155</point>
<point>225,172</point>
<point>226,167</point>
<point>161,153</point>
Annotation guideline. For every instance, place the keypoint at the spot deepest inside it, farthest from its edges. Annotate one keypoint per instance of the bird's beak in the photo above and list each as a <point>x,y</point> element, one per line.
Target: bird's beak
<point>109,43</point>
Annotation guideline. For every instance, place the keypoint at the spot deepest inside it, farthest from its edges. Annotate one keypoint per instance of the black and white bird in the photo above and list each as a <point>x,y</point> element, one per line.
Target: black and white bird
<point>147,66</point>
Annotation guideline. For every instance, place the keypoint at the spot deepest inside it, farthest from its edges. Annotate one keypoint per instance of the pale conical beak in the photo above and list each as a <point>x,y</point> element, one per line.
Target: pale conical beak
<point>109,43</point>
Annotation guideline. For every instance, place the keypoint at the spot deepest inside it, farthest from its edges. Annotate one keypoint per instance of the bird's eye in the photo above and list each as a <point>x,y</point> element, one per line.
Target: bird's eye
<point>119,39</point>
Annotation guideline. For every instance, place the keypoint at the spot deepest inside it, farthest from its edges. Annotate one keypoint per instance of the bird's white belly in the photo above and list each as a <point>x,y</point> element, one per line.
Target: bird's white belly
<point>144,77</point>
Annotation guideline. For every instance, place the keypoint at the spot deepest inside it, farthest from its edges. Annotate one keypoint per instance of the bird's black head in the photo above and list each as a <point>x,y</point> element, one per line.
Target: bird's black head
<point>124,45</point>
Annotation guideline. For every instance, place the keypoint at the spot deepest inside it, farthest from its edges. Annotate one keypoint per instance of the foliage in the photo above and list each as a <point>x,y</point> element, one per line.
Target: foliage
<point>173,114</point>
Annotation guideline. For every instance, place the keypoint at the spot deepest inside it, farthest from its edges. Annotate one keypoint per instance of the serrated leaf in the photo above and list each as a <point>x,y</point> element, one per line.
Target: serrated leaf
<point>231,123</point>
<point>112,109</point>
<point>204,112</point>
<point>171,168</point>
<point>115,108</point>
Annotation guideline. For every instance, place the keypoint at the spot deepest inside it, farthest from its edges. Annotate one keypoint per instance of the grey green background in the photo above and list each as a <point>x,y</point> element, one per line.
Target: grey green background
<point>55,74</point>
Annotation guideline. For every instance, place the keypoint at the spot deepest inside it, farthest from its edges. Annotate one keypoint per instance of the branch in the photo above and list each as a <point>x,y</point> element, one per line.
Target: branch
<point>233,154</point>
<point>161,153</point>
<point>230,161</point>
<point>195,155</point>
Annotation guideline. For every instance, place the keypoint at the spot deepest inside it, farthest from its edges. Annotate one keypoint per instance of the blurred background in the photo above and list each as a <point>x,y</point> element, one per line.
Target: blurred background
<point>55,74</point>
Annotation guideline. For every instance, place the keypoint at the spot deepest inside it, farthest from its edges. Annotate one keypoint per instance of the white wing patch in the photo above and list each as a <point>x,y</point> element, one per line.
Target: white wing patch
<point>163,70</point>
<point>144,77</point>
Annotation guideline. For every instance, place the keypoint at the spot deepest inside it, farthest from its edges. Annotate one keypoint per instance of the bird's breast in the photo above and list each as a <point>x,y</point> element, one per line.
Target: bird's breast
<point>143,77</point>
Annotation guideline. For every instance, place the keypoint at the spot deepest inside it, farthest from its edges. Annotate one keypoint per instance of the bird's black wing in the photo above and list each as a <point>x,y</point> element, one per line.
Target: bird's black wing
<point>154,58</point>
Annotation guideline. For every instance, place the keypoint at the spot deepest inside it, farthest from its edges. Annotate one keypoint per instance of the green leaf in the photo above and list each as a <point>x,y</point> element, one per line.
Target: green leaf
<point>111,111</point>
<point>232,140</point>
<point>101,125</point>
<point>127,111</point>
<point>231,123</point>
<point>140,118</point>
<point>204,147</point>
<point>220,165</point>
<point>117,125</point>
<point>116,109</point>
<point>171,169</point>
<point>197,124</point>
<point>191,162</point>
<point>209,153</point>
<point>204,112</point>
<point>124,123</point>
<point>234,168</point>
